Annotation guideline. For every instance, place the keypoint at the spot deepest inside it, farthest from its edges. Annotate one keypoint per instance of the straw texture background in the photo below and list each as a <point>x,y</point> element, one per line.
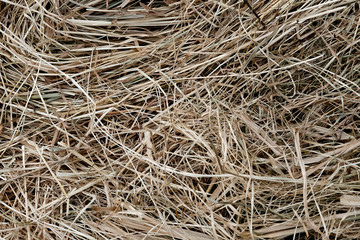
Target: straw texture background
<point>213,119</point>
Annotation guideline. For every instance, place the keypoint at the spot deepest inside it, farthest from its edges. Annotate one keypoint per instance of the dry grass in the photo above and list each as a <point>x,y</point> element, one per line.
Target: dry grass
<point>216,119</point>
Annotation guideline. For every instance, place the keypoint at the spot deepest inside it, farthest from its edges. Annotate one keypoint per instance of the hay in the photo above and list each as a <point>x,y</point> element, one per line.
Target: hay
<point>215,119</point>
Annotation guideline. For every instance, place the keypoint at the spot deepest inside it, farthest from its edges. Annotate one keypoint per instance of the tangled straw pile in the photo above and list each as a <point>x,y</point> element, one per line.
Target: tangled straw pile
<point>214,119</point>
